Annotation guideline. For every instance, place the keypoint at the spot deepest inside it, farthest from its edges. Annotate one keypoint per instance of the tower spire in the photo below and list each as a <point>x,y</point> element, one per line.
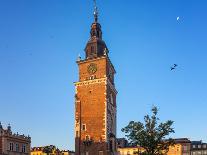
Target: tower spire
<point>95,13</point>
<point>95,47</point>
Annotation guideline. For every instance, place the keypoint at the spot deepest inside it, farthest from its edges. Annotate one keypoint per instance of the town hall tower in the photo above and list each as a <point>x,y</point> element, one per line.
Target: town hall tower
<point>95,98</point>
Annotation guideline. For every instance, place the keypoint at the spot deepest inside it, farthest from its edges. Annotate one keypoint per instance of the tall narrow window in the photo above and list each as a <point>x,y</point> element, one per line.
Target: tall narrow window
<point>17,147</point>
<point>11,146</point>
<point>24,148</point>
<point>84,127</point>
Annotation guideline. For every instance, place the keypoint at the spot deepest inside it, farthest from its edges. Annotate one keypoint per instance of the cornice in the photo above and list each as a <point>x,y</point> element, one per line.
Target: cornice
<point>95,81</point>
<point>90,60</point>
<point>88,82</point>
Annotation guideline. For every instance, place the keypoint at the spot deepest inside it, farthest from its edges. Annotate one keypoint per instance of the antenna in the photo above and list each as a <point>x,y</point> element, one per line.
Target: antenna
<point>95,11</point>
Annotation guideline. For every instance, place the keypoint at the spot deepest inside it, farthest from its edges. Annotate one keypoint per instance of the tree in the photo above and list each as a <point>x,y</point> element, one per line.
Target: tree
<point>151,135</point>
<point>48,149</point>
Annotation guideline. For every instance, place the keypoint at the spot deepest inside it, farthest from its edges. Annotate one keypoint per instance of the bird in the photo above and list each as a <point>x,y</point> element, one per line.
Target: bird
<point>173,67</point>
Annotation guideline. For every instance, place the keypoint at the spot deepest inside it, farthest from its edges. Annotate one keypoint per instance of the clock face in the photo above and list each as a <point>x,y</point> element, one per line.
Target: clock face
<point>92,68</point>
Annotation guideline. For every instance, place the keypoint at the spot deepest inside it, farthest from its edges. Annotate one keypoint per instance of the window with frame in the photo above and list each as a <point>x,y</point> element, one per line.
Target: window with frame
<point>23,148</point>
<point>17,147</point>
<point>84,127</point>
<point>11,146</point>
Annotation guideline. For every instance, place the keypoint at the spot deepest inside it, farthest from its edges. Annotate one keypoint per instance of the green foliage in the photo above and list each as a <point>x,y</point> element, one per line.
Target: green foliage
<point>48,149</point>
<point>151,135</point>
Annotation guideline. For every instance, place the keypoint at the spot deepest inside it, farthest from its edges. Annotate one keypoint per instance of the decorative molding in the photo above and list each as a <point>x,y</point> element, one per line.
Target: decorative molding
<point>91,60</point>
<point>89,82</point>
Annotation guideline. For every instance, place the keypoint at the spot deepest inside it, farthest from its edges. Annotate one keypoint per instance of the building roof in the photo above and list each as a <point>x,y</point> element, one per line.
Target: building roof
<point>197,142</point>
<point>8,133</point>
<point>182,140</point>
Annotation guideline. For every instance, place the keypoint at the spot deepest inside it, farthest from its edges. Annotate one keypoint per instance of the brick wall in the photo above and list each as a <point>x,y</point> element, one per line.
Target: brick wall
<point>91,107</point>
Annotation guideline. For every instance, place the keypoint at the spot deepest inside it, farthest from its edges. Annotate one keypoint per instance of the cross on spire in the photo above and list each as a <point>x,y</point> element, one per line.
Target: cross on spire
<point>95,13</point>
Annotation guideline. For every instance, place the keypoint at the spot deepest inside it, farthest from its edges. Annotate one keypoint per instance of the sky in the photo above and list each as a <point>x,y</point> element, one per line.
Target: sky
<point>40,42</point>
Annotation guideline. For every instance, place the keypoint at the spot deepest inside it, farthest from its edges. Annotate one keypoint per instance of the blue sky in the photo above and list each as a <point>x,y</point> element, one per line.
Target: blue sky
<point>40,41</point>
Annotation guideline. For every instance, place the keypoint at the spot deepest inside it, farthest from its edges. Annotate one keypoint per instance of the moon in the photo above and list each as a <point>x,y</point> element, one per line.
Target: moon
<point>178,18</point>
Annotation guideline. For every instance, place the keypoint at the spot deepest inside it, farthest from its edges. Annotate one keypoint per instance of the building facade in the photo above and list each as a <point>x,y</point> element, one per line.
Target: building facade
<point>181,147</point>
<point>45,150</point>
<point>50,150</point>
<point>67,152</point>
<point>136,150</point>
<point>198,148</point>
<point>121,142</point>
<point>13,144</point>
<point>95,98</point>
<point>37,151</point>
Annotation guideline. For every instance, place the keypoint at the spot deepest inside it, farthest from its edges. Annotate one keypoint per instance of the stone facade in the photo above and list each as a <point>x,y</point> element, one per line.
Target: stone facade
<point>13,144</point>
<point>198,148</point>
<point>95,99</point>
<point>181,147</point>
